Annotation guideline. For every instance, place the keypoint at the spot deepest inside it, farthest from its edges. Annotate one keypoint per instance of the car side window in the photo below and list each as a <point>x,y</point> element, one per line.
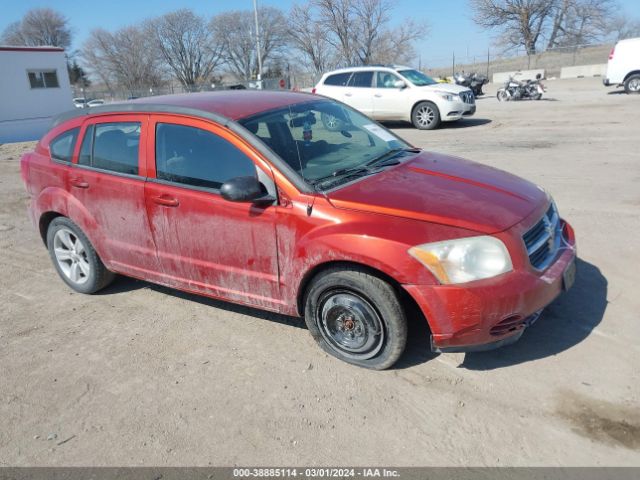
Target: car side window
<point>61,147</point>
<point>338,79</point>
<point>197,157</point>
<point>115,147</point>
<point>386,80</point>
<point>361,79</point>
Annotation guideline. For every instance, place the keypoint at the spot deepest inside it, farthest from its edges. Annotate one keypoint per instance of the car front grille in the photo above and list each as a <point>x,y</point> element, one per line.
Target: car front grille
<point>543,239</point>
<point>467,97</point>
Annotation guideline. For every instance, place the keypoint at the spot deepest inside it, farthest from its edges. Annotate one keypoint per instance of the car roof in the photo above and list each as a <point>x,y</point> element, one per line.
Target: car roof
<point>232,104</point>
<point>368,67</point>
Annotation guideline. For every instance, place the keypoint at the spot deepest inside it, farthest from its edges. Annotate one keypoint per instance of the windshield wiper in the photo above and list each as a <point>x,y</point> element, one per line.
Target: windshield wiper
<point>381,161</point>
<point>385,160</point>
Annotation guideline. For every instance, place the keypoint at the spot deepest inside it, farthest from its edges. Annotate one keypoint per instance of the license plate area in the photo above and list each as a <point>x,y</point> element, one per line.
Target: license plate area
<point>569,276</point>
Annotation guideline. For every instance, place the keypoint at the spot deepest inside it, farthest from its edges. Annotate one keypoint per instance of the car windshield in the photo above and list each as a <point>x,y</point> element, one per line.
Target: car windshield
<point>419,79</point>
<point>326,143</point>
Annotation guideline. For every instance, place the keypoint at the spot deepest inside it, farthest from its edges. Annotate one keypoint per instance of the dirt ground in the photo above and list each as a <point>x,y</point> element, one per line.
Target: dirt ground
<point>142,375</point>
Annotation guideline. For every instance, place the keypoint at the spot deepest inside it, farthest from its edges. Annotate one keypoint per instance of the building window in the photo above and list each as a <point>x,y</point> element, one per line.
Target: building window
<point>43,78</point>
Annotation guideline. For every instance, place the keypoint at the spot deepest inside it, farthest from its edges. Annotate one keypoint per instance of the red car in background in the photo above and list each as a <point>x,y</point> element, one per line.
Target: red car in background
<point>300,205</point>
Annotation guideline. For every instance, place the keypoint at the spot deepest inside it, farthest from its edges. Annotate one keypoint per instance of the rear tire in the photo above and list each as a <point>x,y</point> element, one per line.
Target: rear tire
<point>356,317</point>
<point>74,257</point>
<point>425,116</point>
<point>632,84</point>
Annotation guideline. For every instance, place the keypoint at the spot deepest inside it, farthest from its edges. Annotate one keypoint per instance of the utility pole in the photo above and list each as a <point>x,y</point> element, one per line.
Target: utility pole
<point>259,53</point>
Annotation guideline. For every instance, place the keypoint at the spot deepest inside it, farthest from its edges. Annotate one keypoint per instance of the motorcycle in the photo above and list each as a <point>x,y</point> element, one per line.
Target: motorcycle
<point>519,90</point>
<point>474,81</point>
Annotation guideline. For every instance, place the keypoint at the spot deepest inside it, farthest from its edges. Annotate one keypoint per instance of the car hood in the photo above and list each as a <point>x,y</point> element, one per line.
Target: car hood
<point>446,87</point>
<point>446,190</point>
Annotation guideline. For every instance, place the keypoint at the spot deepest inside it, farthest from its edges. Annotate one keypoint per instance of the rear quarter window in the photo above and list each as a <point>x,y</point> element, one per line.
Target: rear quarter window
<point>62,146</point>
<point>338,79</point>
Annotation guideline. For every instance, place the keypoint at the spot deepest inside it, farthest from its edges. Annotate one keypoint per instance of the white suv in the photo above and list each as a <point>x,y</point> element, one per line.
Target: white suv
<point>398,93</point>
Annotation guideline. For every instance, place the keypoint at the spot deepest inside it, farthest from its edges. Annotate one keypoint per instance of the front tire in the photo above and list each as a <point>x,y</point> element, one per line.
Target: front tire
<point>356,317</point>
<point>502,95</point>
<point>425,116</point>
<point>632,84</point>
<point>74,257</point>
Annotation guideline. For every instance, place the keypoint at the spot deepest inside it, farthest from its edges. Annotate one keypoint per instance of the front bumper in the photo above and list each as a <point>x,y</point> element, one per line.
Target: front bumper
<point>491,313</point>
<point>456,110</point>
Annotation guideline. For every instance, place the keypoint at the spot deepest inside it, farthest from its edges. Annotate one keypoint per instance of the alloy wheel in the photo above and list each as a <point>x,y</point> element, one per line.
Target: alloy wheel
<point>71,256</point>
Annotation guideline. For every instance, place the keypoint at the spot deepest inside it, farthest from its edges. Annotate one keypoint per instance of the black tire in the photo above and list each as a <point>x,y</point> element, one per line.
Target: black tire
<point>349,301</point>
<point>502,95</point>
<point>331,123</point>
<point>96,277</point>
<point>425,116</point>
<point>632,84</point>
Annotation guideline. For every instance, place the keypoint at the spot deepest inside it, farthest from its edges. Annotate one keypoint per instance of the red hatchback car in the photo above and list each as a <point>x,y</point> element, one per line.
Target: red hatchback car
<point>298,204</point>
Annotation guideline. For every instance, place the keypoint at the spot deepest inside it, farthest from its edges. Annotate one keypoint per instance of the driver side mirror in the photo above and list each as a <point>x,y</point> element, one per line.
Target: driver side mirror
<point>245,189</point>
<point>399,84</point>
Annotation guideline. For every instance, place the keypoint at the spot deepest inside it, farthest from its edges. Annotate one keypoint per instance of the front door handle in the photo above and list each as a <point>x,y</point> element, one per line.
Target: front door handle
<point>79,183</point>
<point>166,200</point>
<point>378,95</point>
<point>348,94</point>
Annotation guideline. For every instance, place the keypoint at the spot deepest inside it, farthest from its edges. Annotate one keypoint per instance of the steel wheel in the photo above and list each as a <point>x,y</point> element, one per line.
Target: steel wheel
<point>350,324</point>
<point>71,256</point>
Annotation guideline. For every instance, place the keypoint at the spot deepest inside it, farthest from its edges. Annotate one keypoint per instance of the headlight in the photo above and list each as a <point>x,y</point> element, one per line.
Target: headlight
<point>465,259</point>
<point>449,97</point>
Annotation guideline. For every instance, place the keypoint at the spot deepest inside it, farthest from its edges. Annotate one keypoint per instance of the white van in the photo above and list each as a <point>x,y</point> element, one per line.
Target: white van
<point>624,65</point>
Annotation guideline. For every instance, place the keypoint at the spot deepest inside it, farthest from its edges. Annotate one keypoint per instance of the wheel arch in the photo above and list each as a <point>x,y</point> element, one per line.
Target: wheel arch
<point>418,102</point>
<point>43,223</point>
<point>405,298</point>
<point>633,72</point>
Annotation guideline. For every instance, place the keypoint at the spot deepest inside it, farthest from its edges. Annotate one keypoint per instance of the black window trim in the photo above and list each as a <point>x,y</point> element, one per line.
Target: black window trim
<point>349,74</point>
<point>104,170</point>
<point>355,72</point>
<point>75,142</point>
<point>263,177</point>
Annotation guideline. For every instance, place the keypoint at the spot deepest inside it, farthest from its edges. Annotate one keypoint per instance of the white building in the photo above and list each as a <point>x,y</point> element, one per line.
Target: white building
<point>34,87</point>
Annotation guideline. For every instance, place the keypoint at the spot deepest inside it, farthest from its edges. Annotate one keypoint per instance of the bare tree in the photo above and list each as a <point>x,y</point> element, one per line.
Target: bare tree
<point>310,39</point>
<point>39,27</point>
<point>125,59</point>
<point>521,22</point>
<point>235,31</point>
<point>579,22</point>
<point>622,27</point>
<point>357,30</point>
<point>186,45</point>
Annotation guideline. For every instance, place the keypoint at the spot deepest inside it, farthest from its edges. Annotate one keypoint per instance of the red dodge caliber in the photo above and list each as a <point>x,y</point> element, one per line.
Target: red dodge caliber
<point>298,204</point>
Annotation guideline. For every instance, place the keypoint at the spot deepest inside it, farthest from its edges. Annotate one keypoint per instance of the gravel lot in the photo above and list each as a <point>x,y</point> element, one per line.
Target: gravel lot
<point>142,375</point>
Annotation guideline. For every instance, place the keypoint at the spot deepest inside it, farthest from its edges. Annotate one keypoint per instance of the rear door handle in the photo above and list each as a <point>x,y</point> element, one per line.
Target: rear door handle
<point>166,200</point>
<point>348,94</point>
<point>79,183</point>
<point>377,95</point>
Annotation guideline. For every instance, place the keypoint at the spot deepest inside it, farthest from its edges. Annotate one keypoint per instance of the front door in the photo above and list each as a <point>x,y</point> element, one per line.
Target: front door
<point>207,244</point>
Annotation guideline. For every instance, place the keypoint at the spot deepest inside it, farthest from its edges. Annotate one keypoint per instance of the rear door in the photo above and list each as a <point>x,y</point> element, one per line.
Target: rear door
<point>207,244</point>
<point>108,180</point>
<point>359,91</point>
